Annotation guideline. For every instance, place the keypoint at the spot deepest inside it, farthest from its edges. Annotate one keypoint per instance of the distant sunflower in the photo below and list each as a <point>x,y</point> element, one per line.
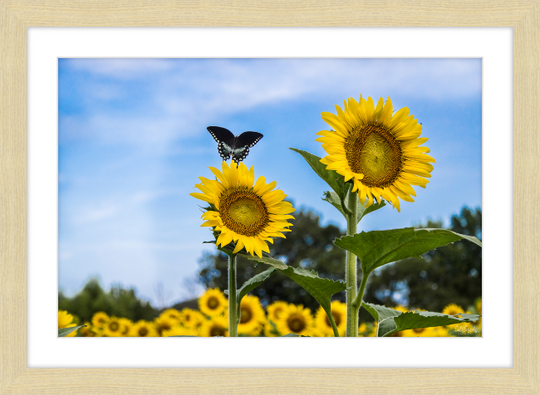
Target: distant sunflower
<point>179,331</point>
<point>125,326</point>
<point>216,326</point>
<point>276,309</point>
<point>478,305</point>
<point>453,309</point>
<point>164,323</point>
<point>251,316</point>
<point>113,327</point>
<point>213,303</point>
<point>297,320</point>
<point>401,308</point>
<point>244,211</point>
<point>65,320</point>
<point>439,331</point>
<point>270,329</point>
<point>87,331</point>
<point>363,330</point>
<point>378,151</point>
<point>339,312</point>
<point>100,319</point>
<point>143,329</point>
<point>171,314</point>
<point>374,329</point>
<point>191,318</point>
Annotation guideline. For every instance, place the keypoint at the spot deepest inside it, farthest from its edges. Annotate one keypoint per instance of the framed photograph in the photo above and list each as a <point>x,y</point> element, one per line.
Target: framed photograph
<point>40,363</point>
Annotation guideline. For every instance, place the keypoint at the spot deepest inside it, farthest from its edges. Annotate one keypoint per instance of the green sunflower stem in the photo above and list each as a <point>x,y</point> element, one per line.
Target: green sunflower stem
<point>233,309</point>
<point>350,270</point>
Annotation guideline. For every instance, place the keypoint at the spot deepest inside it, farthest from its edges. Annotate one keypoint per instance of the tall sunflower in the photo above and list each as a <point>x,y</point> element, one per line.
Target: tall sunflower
<point>377,150</point>
<point>244,211</point>
<point>252,316</point>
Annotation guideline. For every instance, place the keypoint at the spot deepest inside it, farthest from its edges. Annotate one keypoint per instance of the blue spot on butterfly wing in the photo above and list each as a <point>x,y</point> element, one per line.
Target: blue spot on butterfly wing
<point>224,150</point>
<point>239,154</point>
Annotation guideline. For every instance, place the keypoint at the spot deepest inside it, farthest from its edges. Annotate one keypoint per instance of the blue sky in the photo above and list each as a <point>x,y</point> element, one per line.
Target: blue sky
<point>133,142</point>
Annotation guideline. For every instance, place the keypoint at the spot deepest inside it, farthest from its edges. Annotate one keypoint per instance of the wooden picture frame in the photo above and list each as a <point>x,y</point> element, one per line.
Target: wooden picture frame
<point>17,15</point>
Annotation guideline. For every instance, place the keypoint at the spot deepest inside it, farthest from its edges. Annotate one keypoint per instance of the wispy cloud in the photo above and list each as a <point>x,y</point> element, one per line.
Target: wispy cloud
<point>158,101</point>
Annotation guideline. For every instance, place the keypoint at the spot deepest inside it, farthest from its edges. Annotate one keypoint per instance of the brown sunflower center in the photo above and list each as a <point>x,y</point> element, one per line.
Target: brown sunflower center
<point>372,151</point>
<point>143,331</point>
<point>245,315</point>
<point>113,326</point>
<point>337,319</point>
<point>217,330</point>
<point>243,211</point>
<point>213,303</point>
<point>296,323</point>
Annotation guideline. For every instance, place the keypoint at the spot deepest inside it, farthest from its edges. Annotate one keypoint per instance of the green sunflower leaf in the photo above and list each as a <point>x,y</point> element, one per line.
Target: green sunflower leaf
<point>333,198</point>
<point>266,260</point>
<point>377,248</point>
<point>390,321</point>
<point>321,289</point>
<point>63,332</point>
<point>336,181</point>
<point>294,335</point>
<point>250,285</point>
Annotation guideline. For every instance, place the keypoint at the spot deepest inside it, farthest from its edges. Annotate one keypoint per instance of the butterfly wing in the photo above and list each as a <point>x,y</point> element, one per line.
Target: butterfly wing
<point>243,143</point>
<point>225,140</point>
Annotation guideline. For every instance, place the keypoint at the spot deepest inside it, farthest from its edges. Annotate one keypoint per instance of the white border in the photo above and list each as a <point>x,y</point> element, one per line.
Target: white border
<point>45,45</point>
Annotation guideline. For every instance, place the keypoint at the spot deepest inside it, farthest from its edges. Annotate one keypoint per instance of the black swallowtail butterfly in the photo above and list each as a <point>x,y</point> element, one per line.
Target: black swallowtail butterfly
<point>229,144</point>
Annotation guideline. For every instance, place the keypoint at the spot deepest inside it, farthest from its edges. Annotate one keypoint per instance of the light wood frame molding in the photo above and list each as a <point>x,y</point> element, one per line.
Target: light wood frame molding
<point>17,15</point>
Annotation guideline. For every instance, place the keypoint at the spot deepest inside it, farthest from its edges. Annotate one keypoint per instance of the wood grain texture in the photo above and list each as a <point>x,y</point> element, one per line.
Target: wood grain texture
<point>16,16</point>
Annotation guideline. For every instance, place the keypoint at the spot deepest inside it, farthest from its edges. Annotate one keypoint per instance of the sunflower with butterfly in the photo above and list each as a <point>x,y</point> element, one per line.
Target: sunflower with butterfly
<point>374,155</point>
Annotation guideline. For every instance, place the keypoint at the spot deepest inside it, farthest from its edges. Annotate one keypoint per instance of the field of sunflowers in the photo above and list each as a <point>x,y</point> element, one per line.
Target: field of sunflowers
<point>278,319</point>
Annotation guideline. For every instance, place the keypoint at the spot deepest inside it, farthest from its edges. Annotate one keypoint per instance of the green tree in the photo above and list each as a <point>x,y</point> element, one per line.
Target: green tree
<point>308,245</point>
<point>451,274</point>
<point>118,301</point>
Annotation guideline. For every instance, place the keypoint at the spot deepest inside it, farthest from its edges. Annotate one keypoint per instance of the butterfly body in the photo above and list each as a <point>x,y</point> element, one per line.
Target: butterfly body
<point>231,145</point>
